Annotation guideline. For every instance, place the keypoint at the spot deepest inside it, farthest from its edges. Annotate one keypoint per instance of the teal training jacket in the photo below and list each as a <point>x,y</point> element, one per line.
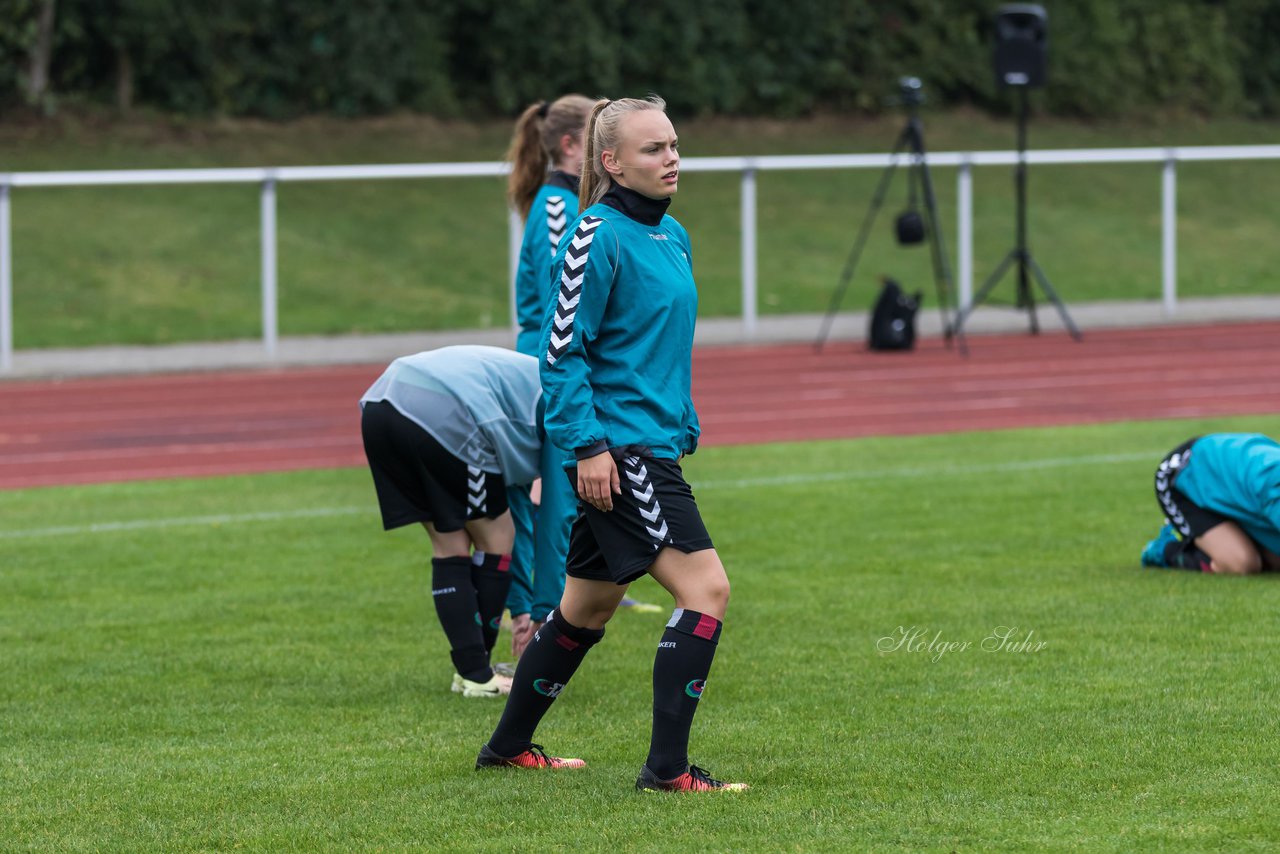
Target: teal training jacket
<point>1237,475</point>
<point>617,337</point>
<point>553,208</point>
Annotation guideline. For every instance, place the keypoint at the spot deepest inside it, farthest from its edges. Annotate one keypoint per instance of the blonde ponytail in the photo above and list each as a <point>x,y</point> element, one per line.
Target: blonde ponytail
<point>594,180</point>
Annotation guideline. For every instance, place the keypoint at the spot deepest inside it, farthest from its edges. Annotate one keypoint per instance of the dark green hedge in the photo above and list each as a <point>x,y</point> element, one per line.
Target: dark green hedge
<point>279,58</point>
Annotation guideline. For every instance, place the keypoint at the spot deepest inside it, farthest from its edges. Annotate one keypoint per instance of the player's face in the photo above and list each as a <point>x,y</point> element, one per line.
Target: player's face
<point>647,158</point>
<point>570,154</point>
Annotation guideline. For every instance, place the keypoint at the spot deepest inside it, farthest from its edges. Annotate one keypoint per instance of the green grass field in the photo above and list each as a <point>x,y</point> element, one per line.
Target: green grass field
<point>162,264</point>
<point>248,662</point>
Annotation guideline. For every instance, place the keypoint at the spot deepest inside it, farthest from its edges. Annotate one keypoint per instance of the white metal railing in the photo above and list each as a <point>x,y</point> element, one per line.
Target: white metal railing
<point>269,178</point>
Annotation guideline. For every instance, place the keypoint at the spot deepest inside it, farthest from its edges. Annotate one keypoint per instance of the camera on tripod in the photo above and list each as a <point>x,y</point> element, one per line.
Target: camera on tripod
<point>910,91</point>
<point>909,226</point>
<point>915,225</point>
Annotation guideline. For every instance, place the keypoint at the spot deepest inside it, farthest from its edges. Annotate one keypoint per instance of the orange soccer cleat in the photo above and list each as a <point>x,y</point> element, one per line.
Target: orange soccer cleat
<point>534,757</point>
<point>694,780</point>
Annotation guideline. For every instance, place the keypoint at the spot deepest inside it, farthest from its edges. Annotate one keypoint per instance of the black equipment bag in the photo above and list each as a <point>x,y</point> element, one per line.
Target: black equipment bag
<point>893,318</point>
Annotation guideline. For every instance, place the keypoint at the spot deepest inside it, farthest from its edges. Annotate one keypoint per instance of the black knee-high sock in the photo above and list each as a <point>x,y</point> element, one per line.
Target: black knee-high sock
<point>491,580</point>
<point>679,674</point>
<point>544,669</point>
<point>1183,554</point>
<point>455,601</point>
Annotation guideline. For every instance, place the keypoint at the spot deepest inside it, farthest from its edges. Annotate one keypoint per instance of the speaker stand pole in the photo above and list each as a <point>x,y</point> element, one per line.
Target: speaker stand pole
<point>1020,254</point>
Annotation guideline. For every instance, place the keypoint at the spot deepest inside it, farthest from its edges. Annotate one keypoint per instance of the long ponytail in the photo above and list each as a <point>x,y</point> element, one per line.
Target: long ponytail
<point>594,180</point>
<point>528,158</point>
<point>535,145</point>
<point>601,133</point>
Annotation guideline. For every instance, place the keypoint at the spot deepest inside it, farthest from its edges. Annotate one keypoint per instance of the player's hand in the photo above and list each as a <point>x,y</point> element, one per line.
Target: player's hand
<point>598,481</point>
<point>521,634</point>
<point>535,492</point>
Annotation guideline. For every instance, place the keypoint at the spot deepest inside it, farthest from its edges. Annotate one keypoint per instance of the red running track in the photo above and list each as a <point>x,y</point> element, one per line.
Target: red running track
<point>196,425</point>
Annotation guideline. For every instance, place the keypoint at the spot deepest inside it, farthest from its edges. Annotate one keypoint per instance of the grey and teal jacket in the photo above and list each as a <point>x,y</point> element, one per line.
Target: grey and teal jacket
<point>480,403</point>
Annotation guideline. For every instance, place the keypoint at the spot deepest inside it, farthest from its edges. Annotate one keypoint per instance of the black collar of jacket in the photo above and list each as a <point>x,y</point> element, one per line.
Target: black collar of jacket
<point>564,181</point>
<point>640,208</point>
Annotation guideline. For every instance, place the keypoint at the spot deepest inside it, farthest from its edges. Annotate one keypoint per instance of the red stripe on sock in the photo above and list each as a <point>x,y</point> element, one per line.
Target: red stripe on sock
<point>567,643</point>
<point>706,627</point>
<point>503,563</point>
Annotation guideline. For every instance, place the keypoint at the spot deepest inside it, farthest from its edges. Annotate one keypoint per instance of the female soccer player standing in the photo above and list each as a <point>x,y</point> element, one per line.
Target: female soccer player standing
<point>546,159</point>
<point>616,369</point>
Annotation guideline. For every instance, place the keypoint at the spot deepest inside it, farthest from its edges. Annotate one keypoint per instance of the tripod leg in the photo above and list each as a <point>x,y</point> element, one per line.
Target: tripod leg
<point>938,253</point>
<point>1026,299</point>
<point>1047,287</point>
<point>941,270</point>
<point>851,264</point>
<point>963,314</point>
<point>942,279</point>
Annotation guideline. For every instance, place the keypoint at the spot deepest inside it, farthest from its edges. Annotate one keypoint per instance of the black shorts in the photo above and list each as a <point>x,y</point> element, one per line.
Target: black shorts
<point>656,509</point>
<point>418,480</point>
<point>1188,518</point>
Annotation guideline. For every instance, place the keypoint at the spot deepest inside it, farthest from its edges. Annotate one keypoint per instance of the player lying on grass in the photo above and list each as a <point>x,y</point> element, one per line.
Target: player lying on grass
<point>448,434</point>
<point>1220,495</point>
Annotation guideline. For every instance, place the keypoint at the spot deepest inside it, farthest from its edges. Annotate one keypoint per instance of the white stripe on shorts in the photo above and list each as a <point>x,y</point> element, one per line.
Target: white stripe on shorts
<point>476,492</point>
<point>637,477</point>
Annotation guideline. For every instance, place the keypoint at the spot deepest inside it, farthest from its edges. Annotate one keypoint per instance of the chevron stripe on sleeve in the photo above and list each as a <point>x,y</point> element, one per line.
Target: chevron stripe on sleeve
<point>575,268</point>
<point>556,221</point>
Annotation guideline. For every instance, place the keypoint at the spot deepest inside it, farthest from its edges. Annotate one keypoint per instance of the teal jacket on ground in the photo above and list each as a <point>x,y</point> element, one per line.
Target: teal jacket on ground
<point>1237,475</point>
<point>553,208</point>
<point>617,338</point>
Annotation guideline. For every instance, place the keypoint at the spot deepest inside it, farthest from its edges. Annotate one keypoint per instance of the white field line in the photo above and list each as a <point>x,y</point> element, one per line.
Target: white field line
<point>926,471</point>
<point>184,521</point>
<point>799,479</point>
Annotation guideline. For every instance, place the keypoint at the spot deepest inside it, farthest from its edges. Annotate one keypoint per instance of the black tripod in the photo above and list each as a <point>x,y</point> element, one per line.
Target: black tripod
<point>1020,254</point>
<point>911,139</point>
